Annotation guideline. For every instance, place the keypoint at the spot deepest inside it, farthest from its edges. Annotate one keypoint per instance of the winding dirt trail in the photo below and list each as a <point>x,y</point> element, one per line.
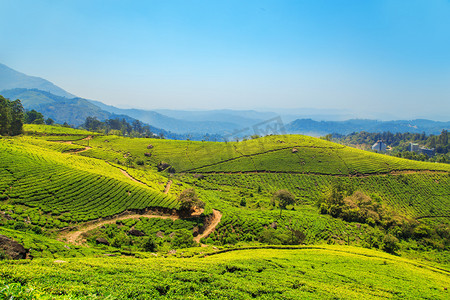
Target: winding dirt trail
<point>217,215</point>
<point>80,150</point>
<point>130,177</point>
<point>167,189</point>
<point>75,237</point>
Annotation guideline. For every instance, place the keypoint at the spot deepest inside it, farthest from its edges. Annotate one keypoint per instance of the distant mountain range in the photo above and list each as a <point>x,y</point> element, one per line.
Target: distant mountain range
<point>11,79</point>
<point>320,128</point>
<point>56,103</point>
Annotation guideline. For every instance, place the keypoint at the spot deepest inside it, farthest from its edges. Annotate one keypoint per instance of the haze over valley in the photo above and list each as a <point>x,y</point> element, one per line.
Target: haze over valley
<point>225,150</point>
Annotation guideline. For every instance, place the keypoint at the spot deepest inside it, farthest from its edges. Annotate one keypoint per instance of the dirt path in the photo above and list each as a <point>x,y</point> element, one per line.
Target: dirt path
<point>80,150</point>
<point>74,237</point>
<point>130,177</point>
<point>86,148</point>
<point>216,220</point>
<point>167,189</point>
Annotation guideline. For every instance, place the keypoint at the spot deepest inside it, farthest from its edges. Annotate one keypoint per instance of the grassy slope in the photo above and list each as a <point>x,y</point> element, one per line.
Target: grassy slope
<point>324,272</point>
<point>40,175</point>
<point>269,154</point>
<point>55,130</point>
<point>414,195</point>
<point>35,174</point>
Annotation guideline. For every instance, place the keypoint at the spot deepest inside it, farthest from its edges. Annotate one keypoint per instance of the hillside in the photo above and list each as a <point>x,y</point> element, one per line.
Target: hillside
<point>327,272</point>
<point>71,193</point>
<point>43,174</point>
<point>266,154</point>
<point>12,79</point>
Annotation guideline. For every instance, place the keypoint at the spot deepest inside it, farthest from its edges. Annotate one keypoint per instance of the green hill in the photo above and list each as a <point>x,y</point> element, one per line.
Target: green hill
<point>328,272</point>
<point>36,173</point>
<point>266,154</point>
<point>55,179</point>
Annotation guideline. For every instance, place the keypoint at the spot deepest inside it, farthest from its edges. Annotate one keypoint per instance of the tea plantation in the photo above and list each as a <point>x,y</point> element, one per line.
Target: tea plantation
<point>99,217</point>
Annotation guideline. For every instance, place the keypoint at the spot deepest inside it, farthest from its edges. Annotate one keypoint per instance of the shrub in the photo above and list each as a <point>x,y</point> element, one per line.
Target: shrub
<point>182,238</point>
<point>189,201</point>
<point>283,198</point>
<point>149,245</point>
<point>390,243</point>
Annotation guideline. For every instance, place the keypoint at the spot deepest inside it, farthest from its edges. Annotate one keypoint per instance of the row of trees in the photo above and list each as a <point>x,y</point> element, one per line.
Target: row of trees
<point>117,126</point>
<point>11,116</point>
<point>399,141</point>
<point>35,117</point>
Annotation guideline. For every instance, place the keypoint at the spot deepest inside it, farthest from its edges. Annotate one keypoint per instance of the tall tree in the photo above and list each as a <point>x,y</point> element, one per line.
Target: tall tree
<point>49,121</point>
<point>284,198</point>
<point>5,116</point>
<point>17,116</point>
<point>34,117</point>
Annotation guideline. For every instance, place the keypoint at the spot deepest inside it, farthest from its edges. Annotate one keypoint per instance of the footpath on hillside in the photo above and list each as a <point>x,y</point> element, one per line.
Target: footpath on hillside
<point>75,236</point>
<point>217,216</point>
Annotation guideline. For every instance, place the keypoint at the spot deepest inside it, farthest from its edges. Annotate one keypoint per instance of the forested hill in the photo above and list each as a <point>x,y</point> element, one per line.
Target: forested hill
<point>76,111</point>
<point>319,128</point>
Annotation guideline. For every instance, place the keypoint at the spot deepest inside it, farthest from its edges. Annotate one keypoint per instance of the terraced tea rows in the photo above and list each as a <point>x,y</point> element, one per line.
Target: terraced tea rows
<point>55,130</point>
<point>415,195</point>
<point>317,272</point>
<point>78,188</point>
<point>286,154</point>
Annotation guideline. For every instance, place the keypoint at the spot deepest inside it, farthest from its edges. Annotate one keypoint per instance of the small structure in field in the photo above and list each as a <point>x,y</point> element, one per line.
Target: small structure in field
<point>415,148</point>
<point>294,150</point>
<point>379,146</point>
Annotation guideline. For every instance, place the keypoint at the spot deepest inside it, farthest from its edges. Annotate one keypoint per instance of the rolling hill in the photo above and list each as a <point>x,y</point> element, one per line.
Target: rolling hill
<point>82,202</point>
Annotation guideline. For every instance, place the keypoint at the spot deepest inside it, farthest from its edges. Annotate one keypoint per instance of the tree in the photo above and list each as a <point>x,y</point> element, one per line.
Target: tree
<point>137,126</point>
<point>49,121</point>
<point>34,117</point>
<point>283,198</point>
<point>5,116</point>
<point>149,245</point>
<point>182,238</point>
<point>390,243</point>
<point>189,201</point>
<point>92,124</point>
<point>16,117</point>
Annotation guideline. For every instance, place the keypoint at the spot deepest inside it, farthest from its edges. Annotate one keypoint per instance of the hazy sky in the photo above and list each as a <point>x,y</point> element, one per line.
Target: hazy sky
<point>361,55</point>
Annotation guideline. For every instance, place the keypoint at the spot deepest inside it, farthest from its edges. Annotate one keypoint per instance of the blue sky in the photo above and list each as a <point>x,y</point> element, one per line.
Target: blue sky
<point>367,56</point>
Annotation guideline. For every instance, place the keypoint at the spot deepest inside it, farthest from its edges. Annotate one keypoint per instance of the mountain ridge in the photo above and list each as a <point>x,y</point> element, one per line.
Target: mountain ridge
<point>56,103</point>
<point>10,79</point>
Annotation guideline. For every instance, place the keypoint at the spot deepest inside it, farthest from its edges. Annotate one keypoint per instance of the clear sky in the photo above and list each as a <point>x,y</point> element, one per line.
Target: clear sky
<point>361,55</point>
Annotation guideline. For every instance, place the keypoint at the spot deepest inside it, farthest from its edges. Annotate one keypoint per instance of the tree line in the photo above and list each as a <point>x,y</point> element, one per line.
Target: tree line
<point>118,127</point>
<point>11,117</point>
<point>401,141</point>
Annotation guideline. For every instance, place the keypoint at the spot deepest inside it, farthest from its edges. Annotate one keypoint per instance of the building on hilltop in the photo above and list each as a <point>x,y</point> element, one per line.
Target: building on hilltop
<point>426,151</point>
<point>379,146</point>
<point>415,148</point>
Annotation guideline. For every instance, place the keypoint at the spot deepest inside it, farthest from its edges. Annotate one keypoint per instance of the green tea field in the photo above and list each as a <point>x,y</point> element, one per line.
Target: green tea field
<point>101,217</point>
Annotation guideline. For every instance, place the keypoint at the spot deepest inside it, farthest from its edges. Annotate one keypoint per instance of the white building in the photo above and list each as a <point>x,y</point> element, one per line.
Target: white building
<point>379,146</point>
<point>414,147</point>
